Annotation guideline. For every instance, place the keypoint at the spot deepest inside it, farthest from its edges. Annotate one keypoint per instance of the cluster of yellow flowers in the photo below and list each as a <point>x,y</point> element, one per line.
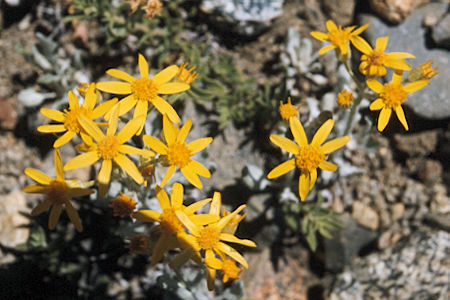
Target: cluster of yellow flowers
<point>373,64</point>
<point>201,237</point>
<point>151,8</point>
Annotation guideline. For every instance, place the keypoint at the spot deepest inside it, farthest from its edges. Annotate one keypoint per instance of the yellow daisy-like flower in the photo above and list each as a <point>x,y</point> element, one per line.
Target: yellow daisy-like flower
<point>185,75</point>
<point>373,61</point>
<point>152,8</point>
<point>109,148</point>
<point>228,267</point>
<point>308,157</point>
<point>424,71</point>
<point>211,238</point>
<point>144,90</point>
<point>345,98</point>
<point>69,118</point>
<point>391,96</point>
<point>288,110</point>
<point>169,223</point>
<point>339,38</point>
<point>58,193</point>
<point>177,153</point>
<point>122,205</point>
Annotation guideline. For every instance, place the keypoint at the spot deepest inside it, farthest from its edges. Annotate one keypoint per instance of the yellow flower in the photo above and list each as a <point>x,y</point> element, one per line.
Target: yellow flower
<point>169,223</point>
<point>122,205</point>
<point>209,238</point>
<point>391,96</point>
<point>138,243</point>
<point>233,224</point>
<point>144,90</point>
<point>345,98</point>
<point>109,148</point>
<point>152,9</point>
<point>308,157</point>
<point>373,61</point>
<point>134,5</point>
<point>288,110</point>
<point>228,267</point>
<point>339,38</point>
<point>69,118</point>
<point>178,153</point>
<point>185,75</point>
<point>58,191</point>
<point>424,71</point>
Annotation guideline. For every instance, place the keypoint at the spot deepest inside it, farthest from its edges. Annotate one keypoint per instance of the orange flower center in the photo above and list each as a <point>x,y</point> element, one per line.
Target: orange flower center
<point>71,122</point>
<point>230,269</point>
<point>288,110</point>
<point>178,154</point>
<point>122,205</point>
<point>338,37</point>
<point>309,158</point>
<point>209,237</point>
<point>108,148</point>
<point>170,222</point>
<point>144,89</point>
<point>345,98</point>
<point>59,192</point>
<point>376,58</point>
<point>393,95</point>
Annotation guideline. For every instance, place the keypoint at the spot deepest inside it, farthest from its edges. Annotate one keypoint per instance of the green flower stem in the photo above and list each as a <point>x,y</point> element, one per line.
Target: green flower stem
<point>361,92</point>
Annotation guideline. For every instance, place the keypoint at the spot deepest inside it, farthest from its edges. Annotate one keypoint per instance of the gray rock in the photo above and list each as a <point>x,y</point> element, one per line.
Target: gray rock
<point>433,101</point>
<point>346,243</point>
<point>441,32</point>
<point>414,268</point>
<point>245,17</point>
<point>340,11</point>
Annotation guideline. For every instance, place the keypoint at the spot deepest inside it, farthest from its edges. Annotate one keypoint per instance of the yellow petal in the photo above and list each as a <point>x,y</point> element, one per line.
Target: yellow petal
<point>397,64</point>
<point>327,48</point>
<point>129,129</point>
<point>187,222</point>
<point>200,144</point>
<point>214,208</point>
<point>374,85</point>
<point>331,26</point>
<point>177,195</point>
<point>129,167</point>
<point>182,134</point>
<point>327,166</point>
<point>79,192</point>
<point>58,166</point>
<point>143,66</point>
<point>415,86</point>
<point>319,35</point>
<point>74,217</point>
<point>91,98</point>
<point>381,43</point>
<point>181,258</point>
<point>196,206</point>
<point>361,44</point>
<point>334,144</point>
<point>38,176</point>
<point>189,241</point>
<point>121,75</point>
<point>225,220</point>
<point>163,198</point>
<point>401,116</point>
<point>125,105</point>
<point>322,133</point>
<point>146,215</point>
<point>281,169</point>
<point>397,76</point>
<point>55,212</point>
<point>192,177</point>
<point>173,88</point>
<point>232,239</point>
<point>36,189</point>
<point>115,87</point>
<point>169,130</point>
<point>53,114</point>
<point>377,104</point>
<point>52,128</point>
<point>232,253</point>
<point>160,249</point>
<point>127,149</point>
<point>204,219</point>
<point>165,108</point>
<point>64,139</point>
<point>104,175</point>
<point>155,144</point>
<point>43,206</point>
<point>359,30</point>
<point>165,75</point>
<point>112,124</point>
<point>312,178</point>
<point>82,160</point>
<point>284,143</point>
<point>383,118</point>
<point>90,128</point>
<point>198,168</point>
<point>298,132</point>
<point>168,175</point>
<point>303,186</point>
<point>140,111</point>
<point>73,101</point>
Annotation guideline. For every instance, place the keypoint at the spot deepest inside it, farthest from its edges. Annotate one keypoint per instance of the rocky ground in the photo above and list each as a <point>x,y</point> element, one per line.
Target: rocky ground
<point>395,208</point>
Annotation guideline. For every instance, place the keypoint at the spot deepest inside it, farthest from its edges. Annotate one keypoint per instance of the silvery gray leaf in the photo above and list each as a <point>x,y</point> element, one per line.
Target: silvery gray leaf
<point>346,168</point>
<point>30,98</point>
<point>41,60</point>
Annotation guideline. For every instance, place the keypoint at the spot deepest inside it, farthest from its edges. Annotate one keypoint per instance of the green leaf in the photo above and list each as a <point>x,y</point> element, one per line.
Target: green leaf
<point>311,239</point>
